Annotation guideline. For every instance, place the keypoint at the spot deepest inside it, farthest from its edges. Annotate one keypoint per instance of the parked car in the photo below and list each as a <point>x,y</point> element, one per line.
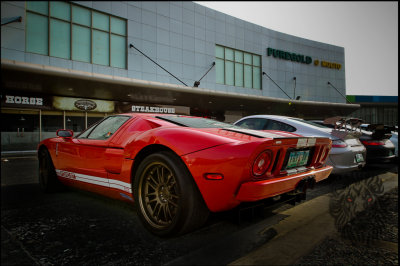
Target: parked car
<point>380,141</point>
<point>347,152</point>
<point>178,168</point>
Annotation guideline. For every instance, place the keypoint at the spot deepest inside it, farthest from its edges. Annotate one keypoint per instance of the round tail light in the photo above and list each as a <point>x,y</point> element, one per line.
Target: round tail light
<point>262,163</point>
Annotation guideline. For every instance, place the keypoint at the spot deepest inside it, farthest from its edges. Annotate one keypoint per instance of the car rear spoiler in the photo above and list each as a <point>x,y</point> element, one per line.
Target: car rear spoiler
<point>379,131</point>
<point>345,127</point>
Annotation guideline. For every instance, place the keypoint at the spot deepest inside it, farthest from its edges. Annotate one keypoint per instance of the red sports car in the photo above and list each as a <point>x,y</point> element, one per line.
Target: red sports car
<point>178,168</point>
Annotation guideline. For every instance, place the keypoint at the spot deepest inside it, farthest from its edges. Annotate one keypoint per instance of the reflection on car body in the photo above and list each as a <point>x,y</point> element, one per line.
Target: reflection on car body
<point>179,168</point>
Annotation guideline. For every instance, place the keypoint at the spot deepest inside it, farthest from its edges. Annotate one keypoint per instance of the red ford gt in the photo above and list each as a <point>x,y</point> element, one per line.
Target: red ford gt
<point>178,168</point>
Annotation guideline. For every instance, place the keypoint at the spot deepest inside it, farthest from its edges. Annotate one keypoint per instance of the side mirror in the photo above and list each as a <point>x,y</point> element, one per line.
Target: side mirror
<point>65,133</point>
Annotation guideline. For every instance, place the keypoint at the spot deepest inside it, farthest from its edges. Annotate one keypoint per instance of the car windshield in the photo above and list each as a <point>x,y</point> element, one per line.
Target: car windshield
<point>196,122</point>
<point>308,122</point>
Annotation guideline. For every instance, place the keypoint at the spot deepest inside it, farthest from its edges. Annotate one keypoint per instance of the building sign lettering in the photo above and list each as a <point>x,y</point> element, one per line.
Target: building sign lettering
<point>151,109</point>
<point>289,56</point>
<point>24,100</point>
<point>301,58</point>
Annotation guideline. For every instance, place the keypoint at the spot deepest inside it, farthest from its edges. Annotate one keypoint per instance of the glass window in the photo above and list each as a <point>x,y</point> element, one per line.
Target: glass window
<point>118,26</point>
<point>95,37</point>
<point>247,58</point>
<point>101,21</point>
<point>256,78</point>
<point>238,74</point>
<point>253,123</point>
<point>219,51</point>
<point>75,122</point>
<point>60,39</point>
<point>238,68</point>
<point>239,56</point>
<point>118,47</point>
<point>81,43</point>
<point>100,48</point>
<point>107,127</point>
<point>38,6</point>
<point>256,60</point>
<point>81,16</point>
<point>60,10</point>
<point>229,73</point>
<point>248,76</point>
<point>37,34</point>
<point>220,71</point>
<point>228,54</point>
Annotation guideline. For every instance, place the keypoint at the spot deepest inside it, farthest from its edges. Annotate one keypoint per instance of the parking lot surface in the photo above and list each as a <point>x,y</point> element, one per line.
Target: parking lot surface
<point>75,227</point>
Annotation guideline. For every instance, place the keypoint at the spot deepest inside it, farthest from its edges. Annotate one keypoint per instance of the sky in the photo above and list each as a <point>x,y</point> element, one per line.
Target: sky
<point>368,31</point>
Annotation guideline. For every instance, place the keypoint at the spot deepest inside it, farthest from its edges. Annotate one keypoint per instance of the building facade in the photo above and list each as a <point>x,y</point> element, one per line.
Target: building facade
<point>376,109</point>
<point>68,64</point>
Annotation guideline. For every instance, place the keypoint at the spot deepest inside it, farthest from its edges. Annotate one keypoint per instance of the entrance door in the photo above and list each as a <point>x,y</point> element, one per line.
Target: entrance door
<point>19,130</point>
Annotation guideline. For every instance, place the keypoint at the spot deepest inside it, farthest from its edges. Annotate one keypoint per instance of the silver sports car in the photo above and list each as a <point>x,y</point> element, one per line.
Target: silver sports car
<point>347,153</point>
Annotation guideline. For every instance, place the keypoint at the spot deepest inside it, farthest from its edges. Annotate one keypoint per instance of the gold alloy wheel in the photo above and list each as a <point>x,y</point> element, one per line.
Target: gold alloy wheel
<point>158,195</point>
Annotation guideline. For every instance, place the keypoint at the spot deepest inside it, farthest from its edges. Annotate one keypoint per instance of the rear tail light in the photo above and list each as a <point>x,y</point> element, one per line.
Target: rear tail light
<point>373,142</point>
<point>262,163</point>
<point>338,144</point>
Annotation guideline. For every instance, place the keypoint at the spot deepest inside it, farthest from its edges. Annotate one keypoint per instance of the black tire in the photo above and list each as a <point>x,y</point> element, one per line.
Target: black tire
<point>168,200</point>
<point>47,174</point>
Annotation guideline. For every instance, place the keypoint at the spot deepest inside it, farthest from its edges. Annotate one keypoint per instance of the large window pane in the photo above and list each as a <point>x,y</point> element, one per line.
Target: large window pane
<point>118,26</point>
<point>118,51</point>
<point>247,76</point>
<point>81,16</point>
<point>60,10</point>
<point>228,54</point>
<point>239,56</point>
<point>238,75</point>
<point>101,21</point>
<point>36,34</point>
<point>60,39</point>
<point>256,78</point>
<point>247,59</point>
<point>256,60</point>
<point>220,71</point>
<point>100,48</point>
<point>80,43</point>
<point>229,73</point>
<point>38,6</point>
<point>219,52</point>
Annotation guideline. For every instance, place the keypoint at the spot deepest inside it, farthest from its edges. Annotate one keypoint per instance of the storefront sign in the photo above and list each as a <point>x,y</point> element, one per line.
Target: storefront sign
<point>289,56</point>
<point>76,104</point>
<point>151,109</point>
<point>11,99</point>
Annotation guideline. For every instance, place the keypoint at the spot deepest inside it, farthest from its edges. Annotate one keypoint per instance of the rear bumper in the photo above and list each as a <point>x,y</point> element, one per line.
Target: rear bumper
<point>253,191</point>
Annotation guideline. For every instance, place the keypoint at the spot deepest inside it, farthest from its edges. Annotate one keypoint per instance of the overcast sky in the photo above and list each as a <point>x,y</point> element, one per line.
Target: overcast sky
<point>368,31</point>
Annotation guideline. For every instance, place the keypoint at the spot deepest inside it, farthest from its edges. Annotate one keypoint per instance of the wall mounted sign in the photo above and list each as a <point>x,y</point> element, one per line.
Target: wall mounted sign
<point>11,99</point>
<point>301,58</point>
<point>77,104</point>
<point>289,56</point>
<point>153,109</point>
<point>25,101</point>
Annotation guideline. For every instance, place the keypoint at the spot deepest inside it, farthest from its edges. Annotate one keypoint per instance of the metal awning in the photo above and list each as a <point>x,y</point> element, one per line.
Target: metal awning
<point>43,79</point>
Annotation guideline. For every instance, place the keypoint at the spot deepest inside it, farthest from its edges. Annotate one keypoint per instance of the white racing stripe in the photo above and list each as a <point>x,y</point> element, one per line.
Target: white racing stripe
<point>105,182</point>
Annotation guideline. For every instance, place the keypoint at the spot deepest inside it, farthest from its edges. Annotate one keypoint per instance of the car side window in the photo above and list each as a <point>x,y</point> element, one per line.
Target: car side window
<point>253,123</point>
<point>106,128</point>
<point>276,125</point>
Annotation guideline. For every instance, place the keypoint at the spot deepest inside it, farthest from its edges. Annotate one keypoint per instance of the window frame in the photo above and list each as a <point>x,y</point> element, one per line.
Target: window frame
<point>91,28</point>
<point>241,62</point>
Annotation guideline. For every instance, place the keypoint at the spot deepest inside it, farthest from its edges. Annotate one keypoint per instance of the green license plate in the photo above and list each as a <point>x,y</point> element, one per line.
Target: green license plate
<point>359,158</point>
<point>297,158</point>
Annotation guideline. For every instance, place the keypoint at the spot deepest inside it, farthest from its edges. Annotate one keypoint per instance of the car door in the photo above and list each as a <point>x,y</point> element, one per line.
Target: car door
<point>84,158</point>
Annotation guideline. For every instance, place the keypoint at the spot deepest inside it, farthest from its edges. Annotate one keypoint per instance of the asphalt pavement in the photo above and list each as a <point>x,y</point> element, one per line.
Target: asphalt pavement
<point>75,227</point>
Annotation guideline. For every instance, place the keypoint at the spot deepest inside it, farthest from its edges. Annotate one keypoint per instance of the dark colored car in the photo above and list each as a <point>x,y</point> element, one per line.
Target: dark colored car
<point>376,139</point>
